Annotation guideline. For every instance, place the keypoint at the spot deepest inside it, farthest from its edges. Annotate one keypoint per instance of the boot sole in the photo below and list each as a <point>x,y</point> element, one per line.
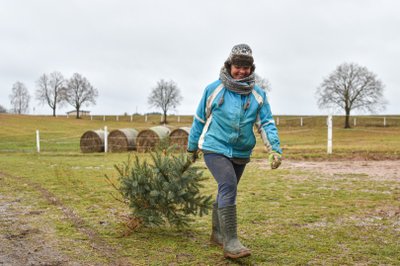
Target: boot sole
<point>236,256</point>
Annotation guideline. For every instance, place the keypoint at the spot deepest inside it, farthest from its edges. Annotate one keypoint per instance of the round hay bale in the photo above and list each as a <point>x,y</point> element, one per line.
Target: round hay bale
<point>92,141</point>
<point>179,137</point>
<point>148,139</point>
<point>121,140</point>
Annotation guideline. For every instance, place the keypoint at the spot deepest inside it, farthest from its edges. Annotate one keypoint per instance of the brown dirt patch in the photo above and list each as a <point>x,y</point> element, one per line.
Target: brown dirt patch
<point>386,170</point>
<point>382,170</point>
<point>23,240</point>
<point>28,238</point>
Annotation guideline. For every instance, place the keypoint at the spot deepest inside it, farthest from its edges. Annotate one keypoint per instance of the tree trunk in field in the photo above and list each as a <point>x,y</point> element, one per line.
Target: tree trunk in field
<point>165,117</point>
<point>54,107</point>
<point>347,120</point>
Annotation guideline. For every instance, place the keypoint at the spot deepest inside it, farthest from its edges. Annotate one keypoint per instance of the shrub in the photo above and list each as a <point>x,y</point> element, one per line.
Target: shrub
<point>164,191</point>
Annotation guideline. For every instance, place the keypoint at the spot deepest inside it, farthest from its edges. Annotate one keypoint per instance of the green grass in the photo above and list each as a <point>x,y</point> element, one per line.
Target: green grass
<point>286,216</point>
<point>62,135</point>
<point>310,219</point>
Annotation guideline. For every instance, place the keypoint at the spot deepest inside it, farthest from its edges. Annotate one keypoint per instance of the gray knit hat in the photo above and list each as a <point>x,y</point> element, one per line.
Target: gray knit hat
<point>241,55</point>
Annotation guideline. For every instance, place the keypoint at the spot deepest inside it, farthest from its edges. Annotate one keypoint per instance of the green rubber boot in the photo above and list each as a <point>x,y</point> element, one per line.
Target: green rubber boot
<point>216,235</point>
<point>232,247</point>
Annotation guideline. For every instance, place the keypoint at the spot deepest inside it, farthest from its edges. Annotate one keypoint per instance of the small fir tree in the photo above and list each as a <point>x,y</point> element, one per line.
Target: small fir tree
<point>164,191</point>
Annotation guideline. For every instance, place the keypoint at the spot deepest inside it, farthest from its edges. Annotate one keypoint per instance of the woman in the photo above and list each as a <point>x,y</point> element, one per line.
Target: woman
<point>223,130</point>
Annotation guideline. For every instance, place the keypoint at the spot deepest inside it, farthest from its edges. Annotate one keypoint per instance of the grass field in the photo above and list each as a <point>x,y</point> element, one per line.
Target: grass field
<point>56,206</point>
<point>63,134</point>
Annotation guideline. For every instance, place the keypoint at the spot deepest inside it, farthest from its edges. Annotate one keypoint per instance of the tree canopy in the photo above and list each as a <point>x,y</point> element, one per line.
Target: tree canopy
<point>165,95</point>
<point>51,90</point>
<point>19,98</point>
<point>351,87</point>
<point>2,109</point>
<point>263,83</point>
<point>80,92</point>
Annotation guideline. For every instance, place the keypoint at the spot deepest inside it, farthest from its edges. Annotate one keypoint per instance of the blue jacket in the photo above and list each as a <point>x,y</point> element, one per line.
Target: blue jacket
<point>226,127</point>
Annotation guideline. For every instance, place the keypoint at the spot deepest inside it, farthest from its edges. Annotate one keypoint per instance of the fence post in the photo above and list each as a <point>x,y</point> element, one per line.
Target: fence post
<point>277,121</point>
<point>104,118</point>
<point>384,121</point>
<point>145,118</point>
<point>37,141</point>
<point>131,118</point>
<point>117,118</point>
<point>330,134</point>
<point>355,121</point>
<point>301,121</point>
<point>179,119</point>
<point>161,119</point>
<point>91,117</point>
<point>105,139</point>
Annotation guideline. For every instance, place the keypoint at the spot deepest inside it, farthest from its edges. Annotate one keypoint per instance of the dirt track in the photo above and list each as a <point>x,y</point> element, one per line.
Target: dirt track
<point>27,237</point>
<point>380,170</point>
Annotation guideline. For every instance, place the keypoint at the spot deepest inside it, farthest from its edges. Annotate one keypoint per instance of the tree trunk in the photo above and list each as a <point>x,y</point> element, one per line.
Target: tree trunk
<point>77,113</point>
<point>55,104</point>
<point>165,117</point>
<point>347,120</point>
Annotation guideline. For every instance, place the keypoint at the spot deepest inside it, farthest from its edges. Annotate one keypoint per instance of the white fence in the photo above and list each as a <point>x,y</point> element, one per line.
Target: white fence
<point>44,141</point>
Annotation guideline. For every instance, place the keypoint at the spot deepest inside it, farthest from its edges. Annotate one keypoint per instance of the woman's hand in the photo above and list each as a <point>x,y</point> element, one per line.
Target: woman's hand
<point>193,155</point>
<point>275,160</point>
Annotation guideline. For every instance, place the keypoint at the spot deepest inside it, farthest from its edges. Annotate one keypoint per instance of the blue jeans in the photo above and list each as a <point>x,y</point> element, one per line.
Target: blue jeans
<point>227,174</point>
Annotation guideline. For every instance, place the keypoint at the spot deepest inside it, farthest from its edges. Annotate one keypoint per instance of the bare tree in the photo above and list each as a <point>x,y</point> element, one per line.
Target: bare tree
<point>165,96</point>
<point>19,98</point>
<point>51,90</point>
<point>80,92</point>
<point>351,87</point>
<point>2,110</point>
<point>262,83</point>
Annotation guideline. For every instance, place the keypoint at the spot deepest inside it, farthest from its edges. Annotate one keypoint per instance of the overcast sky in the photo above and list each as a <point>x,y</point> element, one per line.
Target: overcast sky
<point>124,47</point>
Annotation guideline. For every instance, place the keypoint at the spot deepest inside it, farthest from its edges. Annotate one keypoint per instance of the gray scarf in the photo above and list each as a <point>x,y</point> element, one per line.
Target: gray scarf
<point>241,86</point>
